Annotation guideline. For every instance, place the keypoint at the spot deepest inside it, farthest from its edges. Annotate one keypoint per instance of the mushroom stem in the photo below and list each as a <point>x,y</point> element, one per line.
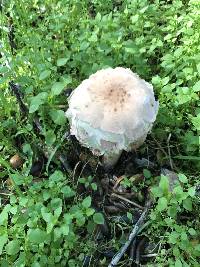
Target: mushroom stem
<point>110,159</point>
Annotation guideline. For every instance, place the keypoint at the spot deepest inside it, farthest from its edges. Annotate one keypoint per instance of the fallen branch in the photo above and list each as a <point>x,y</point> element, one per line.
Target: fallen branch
<point>127,200</point>
<point>132,235</point>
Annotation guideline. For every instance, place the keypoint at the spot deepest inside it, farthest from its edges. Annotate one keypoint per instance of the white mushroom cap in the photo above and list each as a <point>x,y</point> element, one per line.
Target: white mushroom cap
<point>111,111</point>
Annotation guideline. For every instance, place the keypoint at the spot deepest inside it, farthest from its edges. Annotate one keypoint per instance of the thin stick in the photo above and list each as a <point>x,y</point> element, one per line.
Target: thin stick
<point>127,200</point>
<point>132,236</point>
<point>149,255</point>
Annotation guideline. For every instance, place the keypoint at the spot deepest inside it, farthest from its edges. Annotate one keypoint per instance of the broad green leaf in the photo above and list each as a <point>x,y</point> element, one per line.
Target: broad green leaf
<point>57,88</point>
<point>147,173</point>
<point>196,87</point>
<point>67,191</point>
<point>173,236</point>
<point>89,211</point>
<point>98,218</point>
<point>164,184</point>
<point>162,204</point>
<point>17,178</point>
<point>192,191</point>
<point>192,231</point>
<point>44,74</point>
<point>56,203</point>
<point>182,178</point>
<point>58,116</point>
<point>56,176</point>
<point>37,101</point>
<point>87,202</point>
<point>3,241</point>
<point>62,61</point>
<point>157,191</point>
<point>187,204</point>
<point>37,236</point>
<point>13,247</point>
<point>50,137</point>
<point>4,214</point>
<point>178,263</point>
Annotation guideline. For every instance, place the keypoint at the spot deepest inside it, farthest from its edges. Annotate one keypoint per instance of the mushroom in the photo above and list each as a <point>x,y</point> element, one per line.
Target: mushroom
<point>111,111</point>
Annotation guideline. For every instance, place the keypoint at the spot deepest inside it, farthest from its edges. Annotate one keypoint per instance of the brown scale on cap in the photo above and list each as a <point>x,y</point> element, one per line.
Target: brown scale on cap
<point>115,96</point>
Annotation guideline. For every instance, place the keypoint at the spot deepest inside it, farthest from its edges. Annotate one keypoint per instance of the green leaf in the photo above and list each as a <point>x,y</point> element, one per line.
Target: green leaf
<point>3,241</point>
<point>47,216</point>
<point>98,218</point>
<point>87,202</point>
<point>178,263</point>
<point>57,88</point>
<point>56,203</point>
<point>62,61</point>
<point>4,214</point>
<point>187,204</point>
<point>182,178</point>
<point>162,204</point>
<point>13,247</point>
<point>17,178</point>
<point>147,173</point>
<point>157,191</point>
<point>67,191</point>
<point>164,184</point>
<point>192,231</point>
<point>56,177</point>
<point>196,87</point>
<point>44,74</point>
<point>94,186</point>
<point>89,212</point>
<point>173,236</point>
<point>58,116</point>
<point>192,191</point>
<point>37,236</point>
<point>50,137</point>
<point>37,101</point>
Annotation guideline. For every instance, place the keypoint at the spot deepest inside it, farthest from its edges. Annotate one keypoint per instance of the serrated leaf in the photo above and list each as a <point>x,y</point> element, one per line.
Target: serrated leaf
<point>13,247</point>
<point>57,88</point>
<point>98,218</point>
<point>44,74</point>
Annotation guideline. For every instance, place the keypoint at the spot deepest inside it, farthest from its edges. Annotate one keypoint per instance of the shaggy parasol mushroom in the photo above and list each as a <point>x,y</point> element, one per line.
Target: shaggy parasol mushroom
<point>111,111</point>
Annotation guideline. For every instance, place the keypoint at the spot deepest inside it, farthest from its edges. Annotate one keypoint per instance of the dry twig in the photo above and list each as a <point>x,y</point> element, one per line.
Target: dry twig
<point>127,200</point>
<point>132,235</point>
